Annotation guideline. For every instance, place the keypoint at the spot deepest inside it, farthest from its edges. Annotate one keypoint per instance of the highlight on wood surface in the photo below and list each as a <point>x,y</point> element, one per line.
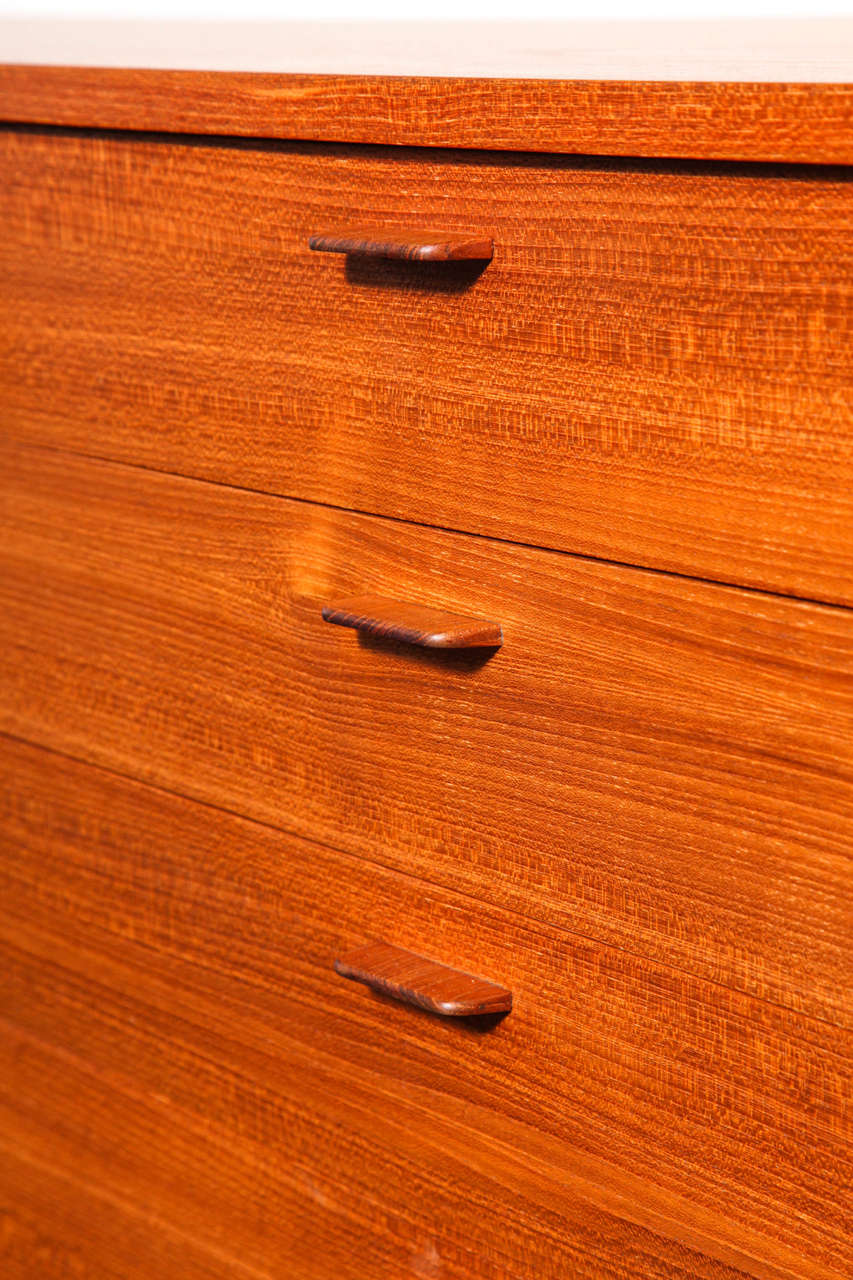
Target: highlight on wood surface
<point>413,623</point>
<point>412,246</point>
<point>425,983</point>
<point>648,479</point>
<point>694,115</point>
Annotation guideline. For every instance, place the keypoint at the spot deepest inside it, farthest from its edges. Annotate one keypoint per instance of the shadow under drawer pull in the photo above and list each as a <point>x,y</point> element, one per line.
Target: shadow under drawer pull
<point>413,623</point>
<point>412,246</point>
<point>415,980</point>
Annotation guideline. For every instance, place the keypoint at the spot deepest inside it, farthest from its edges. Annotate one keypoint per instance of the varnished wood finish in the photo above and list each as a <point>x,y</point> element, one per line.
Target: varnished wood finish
<point>798,122</point>
<point>57,1225</point>
<point>409,246</point>
<point>661,764</point>
<point>395,972</point>
<point>179,1060</point>
<point>635,817</point>
<point>413,624</point>
<point>655,368</point>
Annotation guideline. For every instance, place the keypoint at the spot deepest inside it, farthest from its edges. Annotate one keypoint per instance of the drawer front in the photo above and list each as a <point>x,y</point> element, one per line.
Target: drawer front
<point>660,764</point>
<point>174,1033</point>
<point>654,369</point>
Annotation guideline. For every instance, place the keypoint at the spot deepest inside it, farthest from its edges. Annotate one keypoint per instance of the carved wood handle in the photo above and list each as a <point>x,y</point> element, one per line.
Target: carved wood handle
<point>413,623</point>
<point>424,983</point>
<point>414,246</point>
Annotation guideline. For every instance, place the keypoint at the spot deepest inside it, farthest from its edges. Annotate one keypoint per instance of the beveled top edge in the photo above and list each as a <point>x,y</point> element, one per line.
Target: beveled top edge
<point>789,51</point>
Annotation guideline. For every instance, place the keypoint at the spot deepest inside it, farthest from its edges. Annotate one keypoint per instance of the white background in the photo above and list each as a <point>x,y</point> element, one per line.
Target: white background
<point>438,10</point>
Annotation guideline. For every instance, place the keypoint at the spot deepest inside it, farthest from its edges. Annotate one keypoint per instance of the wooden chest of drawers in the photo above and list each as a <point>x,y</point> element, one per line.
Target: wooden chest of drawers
<point>583,499</point>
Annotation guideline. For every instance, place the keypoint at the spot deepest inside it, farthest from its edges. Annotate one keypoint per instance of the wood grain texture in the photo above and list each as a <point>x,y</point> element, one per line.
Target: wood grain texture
<point>429,985</point>
<point>659,764</point>
<point>408,246</point>
<point>55,1225</point>
<point>416,624</point>
<point>806,123</point>
<point>654,369</point>
<point>173,1033</point>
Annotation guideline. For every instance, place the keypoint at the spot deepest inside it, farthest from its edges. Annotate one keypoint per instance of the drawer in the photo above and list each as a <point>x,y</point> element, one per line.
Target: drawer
<point>173,1030</point>
<point>660,764</point>
<point>654,369</point>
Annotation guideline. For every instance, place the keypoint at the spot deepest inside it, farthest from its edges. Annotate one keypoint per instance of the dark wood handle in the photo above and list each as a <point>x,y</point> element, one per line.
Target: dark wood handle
<point>413,246</point>
<point>413,623</point>
<point>429,985</point>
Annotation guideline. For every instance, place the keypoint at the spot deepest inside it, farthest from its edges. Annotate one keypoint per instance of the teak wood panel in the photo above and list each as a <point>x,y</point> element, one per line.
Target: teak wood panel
<point>692,118</point>
<point>54,1225</point>
<point>661,764</point>
<point>655,368</point>
<point>174,1035</point>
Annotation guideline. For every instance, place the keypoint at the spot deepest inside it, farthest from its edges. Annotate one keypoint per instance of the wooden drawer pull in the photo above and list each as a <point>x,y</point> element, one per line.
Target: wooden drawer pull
<point>413,246</point>
<point>413,624</point>
<point>422,982</point>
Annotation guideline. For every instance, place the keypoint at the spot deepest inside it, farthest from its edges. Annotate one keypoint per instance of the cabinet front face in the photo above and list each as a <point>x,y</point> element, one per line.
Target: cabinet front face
<point>633,813</point>
<point>177,1036</point>
<point>431,568</point>
<point>653,367</point>
<point>659,763</point>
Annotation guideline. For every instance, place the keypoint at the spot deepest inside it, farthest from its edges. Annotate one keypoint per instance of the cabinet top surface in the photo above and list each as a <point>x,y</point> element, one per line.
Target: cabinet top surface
<point>811,51</point>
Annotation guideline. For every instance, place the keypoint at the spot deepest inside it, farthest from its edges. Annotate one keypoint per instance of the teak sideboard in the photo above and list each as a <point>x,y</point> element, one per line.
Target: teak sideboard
<point>426,656</point>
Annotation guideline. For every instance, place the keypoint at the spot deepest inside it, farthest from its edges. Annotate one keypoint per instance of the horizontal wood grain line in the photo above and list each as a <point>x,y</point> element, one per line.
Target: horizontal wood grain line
<point>53,1213</point>
<point>727,121</point>
<point>696,167</point>
<point>550,1203</point>
<point>663,1228</point>
<point>609,386</point>
<point>759,592</point>
<point>669,771</point>
<point>532,923</point>
<point>189,997</point>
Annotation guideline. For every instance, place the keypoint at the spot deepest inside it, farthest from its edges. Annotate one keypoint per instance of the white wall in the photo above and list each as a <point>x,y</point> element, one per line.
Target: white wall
<point>442,10</point>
